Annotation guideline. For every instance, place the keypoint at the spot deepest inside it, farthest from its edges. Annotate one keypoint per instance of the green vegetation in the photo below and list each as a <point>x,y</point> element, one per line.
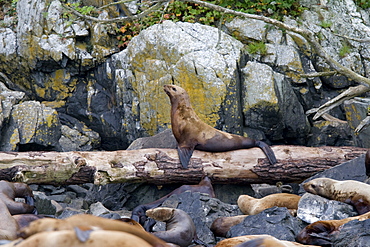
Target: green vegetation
<point>257,48</point>
<point>344,50</point>
<point>189,12</point>
<point>364,4</point>
<point>326,24</point>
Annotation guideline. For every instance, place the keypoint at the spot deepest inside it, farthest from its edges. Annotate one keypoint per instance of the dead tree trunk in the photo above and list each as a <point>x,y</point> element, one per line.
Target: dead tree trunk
<point>162,166</point>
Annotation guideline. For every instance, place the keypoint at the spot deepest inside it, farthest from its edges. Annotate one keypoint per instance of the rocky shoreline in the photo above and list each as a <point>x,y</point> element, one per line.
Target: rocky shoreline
<point>117,200</point>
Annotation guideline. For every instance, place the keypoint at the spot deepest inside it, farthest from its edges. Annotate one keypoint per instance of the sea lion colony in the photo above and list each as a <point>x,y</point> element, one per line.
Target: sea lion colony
<point>88,230</point>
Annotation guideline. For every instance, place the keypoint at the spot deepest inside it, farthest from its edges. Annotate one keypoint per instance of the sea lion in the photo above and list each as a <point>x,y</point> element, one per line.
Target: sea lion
<point>269,241</point>
<point>349,191</point>
<point>138,213</point>
<point>320,232</point>
<point>180,228</point>
<point>251,206</point>
<point>86,222</point>
<point>242,241</point>
<point>68,238</point>
<point>192,133</point>
<point>222,225</point>
<point>9,191</point>
<point>8,225</point>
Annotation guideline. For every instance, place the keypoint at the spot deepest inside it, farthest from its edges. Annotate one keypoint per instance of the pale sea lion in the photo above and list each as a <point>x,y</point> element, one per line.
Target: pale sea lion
<point>68,238</point>
<point>138,213</point>
<point>192,133</point>
<point>242,241</point>
<point>349,191</point>
<point>86,222</point>
<point>9,191</point>
<point>251,206</point>
<point>180,228</point>
<point>222,225</point>
<point>8,225</point>
<point>320,232</point>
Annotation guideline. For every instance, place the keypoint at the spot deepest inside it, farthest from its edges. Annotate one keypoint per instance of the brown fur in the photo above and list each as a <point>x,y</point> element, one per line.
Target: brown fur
<point>319,232</point>
<point>258,240</point>
<point>87,221</point>
<point>9,191</point>
<point>222,225</point>
<point>68,238</point>
<point>251,206</point>
<point>348,191</point>
<point>192,133</point>
<point>180,228</point>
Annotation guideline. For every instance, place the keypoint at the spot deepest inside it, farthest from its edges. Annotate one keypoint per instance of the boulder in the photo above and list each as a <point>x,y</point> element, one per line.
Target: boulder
<point>277,222</point>
<point>312,208</point>
<point>31,126</point>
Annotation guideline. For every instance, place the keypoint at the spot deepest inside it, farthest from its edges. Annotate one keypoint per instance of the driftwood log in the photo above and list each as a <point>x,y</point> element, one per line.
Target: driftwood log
<point>162,166</point>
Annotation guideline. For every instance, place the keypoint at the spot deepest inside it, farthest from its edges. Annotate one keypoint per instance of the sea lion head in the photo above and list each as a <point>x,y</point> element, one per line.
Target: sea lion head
<point>160,213</point>
<point>319,186</point>
<point>176,93</point>
<point>246,203</point>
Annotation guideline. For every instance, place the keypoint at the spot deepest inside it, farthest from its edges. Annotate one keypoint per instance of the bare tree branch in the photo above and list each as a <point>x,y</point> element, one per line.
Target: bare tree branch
<point>348,94</point>
<point>326,73</point>
<point>352,38</point>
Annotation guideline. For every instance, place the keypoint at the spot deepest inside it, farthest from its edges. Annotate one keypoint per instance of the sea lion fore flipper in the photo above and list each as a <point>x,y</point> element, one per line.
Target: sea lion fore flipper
<point>185,154</point>
<point>267,150</point>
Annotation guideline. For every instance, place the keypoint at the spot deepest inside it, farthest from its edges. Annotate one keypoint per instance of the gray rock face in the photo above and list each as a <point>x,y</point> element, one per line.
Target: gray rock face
<point>277,222</point>
<point>31,123</point>
<point>312,208</point>
<point>163,139</point>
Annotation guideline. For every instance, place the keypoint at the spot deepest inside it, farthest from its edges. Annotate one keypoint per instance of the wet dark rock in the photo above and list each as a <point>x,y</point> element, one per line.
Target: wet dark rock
<point>203,210</point>
<point>312,208</point>
<point>68,212</point>
<point>277,222</point>
<point>43,204</point>
<point>354,233</point>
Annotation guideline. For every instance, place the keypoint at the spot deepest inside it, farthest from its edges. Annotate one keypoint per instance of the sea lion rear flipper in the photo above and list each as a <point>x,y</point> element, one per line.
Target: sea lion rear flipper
<point>267,150</point>
<point>185,154</point>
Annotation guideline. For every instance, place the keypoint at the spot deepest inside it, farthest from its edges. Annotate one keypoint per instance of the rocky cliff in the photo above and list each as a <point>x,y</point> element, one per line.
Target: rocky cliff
<point>66,85</point>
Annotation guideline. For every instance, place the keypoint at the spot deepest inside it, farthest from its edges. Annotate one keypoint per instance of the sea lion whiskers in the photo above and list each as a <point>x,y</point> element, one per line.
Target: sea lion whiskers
<point>192,133</point>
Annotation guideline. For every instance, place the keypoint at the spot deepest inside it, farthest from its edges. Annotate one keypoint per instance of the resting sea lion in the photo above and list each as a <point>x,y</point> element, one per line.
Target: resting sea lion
<point>9,191</point>
<point>86,222</point>
<point>320,232</point>
<point>138,213</point>
<point>8,225</point>
<point>251,206</point>
<point>269,241</point>
<point>222,225</point>
<point>180,228</point>
<point>68,238</point>
<point>192,133</point>
<point>348,191</point>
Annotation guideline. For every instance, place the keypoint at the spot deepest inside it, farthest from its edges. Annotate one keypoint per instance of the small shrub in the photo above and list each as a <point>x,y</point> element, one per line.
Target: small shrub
<point>344,50</point>
<point>326,24</point>
<point>257,48</point>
